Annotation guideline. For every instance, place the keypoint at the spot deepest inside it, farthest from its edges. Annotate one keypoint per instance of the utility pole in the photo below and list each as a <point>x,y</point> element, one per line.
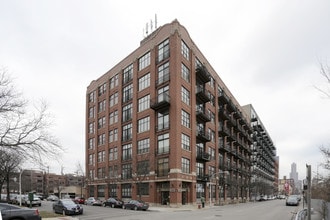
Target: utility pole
<point>309,184</point>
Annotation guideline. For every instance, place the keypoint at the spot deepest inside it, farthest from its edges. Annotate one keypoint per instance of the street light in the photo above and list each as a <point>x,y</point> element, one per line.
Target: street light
<point>20,185</point>
<point>210,188</point>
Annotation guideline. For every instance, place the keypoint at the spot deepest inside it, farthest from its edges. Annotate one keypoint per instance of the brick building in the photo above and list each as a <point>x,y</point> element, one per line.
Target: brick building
<point>162,126</point>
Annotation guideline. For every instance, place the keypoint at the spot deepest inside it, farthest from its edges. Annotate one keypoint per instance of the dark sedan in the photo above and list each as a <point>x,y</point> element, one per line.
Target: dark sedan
<point>15,212</point>
<point>136,205</point>
<point>113,203</point>
<point>67,207</point>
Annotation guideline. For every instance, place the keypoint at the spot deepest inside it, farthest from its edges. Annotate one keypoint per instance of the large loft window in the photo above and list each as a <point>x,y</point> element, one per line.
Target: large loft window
<point>163,73</point>
<point>184,50</point>
<point>127,112</point>
<point>128,74</point>
<point>185,95</point>
<point>128,93</point>
<point>144,103</point>
<point>127,132</point>
<point>144,81</point>
<point>144,61</point>
<point>185,73</point>
<point>185,118</point>
<point>114,81</point>
<point>143,146</point>
<point>144,124</point>
<point>127,152</point>
<point>163,50</point>
<point>185,142</point>
<point>163,143</point>
<point>163,167</point>
<point>185,165</point>
<point>163,121</point>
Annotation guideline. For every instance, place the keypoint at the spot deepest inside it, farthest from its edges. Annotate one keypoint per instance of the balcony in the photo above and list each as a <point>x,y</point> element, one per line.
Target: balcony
<point>223,98</point>
<point>203,156</point>
<point>224,114</point>
<point>202,94</point>
<point>202,137</point>
<point>202,74</point>
<point>162,102</point>
<point>203,177</point>
<point>224,131</point>
<point>201,115</point>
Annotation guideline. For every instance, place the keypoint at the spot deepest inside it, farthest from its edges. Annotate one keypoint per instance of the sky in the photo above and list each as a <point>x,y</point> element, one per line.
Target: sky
<point>268,53</point>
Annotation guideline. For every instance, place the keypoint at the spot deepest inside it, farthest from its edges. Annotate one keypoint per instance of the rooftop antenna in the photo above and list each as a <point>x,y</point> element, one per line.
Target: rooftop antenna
<point>147,28</point>
<point>155,21</point>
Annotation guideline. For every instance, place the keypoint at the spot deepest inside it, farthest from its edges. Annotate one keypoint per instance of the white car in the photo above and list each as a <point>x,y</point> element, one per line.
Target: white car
<point>35,202</point>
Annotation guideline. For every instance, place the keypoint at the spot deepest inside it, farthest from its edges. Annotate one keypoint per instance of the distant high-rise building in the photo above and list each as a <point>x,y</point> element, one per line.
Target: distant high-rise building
<point>294,173</point>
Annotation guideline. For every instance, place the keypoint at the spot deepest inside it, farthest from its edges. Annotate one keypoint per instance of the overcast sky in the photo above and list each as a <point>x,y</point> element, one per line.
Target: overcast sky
<point>268,53</point>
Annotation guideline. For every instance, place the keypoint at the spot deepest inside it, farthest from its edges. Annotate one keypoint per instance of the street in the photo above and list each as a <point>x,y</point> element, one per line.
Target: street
<point>270,210</point>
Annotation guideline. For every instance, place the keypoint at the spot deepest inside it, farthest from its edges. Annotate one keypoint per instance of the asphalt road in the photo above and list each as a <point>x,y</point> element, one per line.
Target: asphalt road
<point>270,210</point>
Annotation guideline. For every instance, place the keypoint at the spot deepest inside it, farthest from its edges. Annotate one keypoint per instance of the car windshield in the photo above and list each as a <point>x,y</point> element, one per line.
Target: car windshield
<point>68,202</point>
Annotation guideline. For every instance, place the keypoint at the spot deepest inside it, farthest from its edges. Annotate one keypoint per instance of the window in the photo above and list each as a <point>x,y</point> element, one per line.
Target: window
<point>185,165</point>
<point>128,74</point>
<point>91,112</point>
<point>185,142</point>
<point>101,106</point>
<point>212,82</point>
<point>126,171</point>
<point>127,112</point>
<point>91,97</point>
<point>113,153</point>
<point>185,73</point>
<point>143,189</point>
<point>144,103</point>
<point>143,146</point>
<point>113,100</point>
<point>101,156</point>
<point>114,81</point>
<point>127,132</point>
<point>211,135</point>
<point>127,152</point>
<point>100,139</point>
<point>184,50</point>
<point>163,120</point>
<point>100,188</point>
<point>113,171</point>
<point>113,117</point>
<point>91,143</point>
<point>163,143</point>
<point>200,170</point>
<point>144,82</point>
<point>163,50</point>
<point>212,153</point>
<point>91,159</point>
<point>185,95</point>
<point>185,119</point>
<point>144,61</point>
<point>101,122</point>
<point>163,94</point>
<point>102,89</point>
<point>163,73</point>
<point>91,128</point>
<point>143,167</point>
<point>128,93</point>
<point>163,167</point>
<point>144,124</point>
<point>126,190</point>
<point>212,99</point>
<point>113,135</point>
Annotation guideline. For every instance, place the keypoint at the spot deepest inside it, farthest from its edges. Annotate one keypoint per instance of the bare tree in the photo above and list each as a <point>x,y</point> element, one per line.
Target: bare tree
<point>22,128</point>
<point>325,72</point>
<point>9,162</point>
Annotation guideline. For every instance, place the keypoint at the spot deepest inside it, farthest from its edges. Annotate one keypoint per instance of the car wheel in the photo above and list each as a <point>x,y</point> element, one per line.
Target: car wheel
<point>135,208</point>
<point>112,205</point>
<point>123,207</point>
<point>104,205</point>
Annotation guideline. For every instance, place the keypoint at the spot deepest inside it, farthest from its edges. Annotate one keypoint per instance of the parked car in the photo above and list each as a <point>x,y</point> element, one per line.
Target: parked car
<point>35,202</point>
<point>52,198</point>
<point>113,203</point>
<point>281,197</point>
<point>79,200</point>
<point>93,201</point>
<point>292,200</point>
<point>15,212</point>
<point>19,199</point>
<point>136,205</point>
<point>67,207</point>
